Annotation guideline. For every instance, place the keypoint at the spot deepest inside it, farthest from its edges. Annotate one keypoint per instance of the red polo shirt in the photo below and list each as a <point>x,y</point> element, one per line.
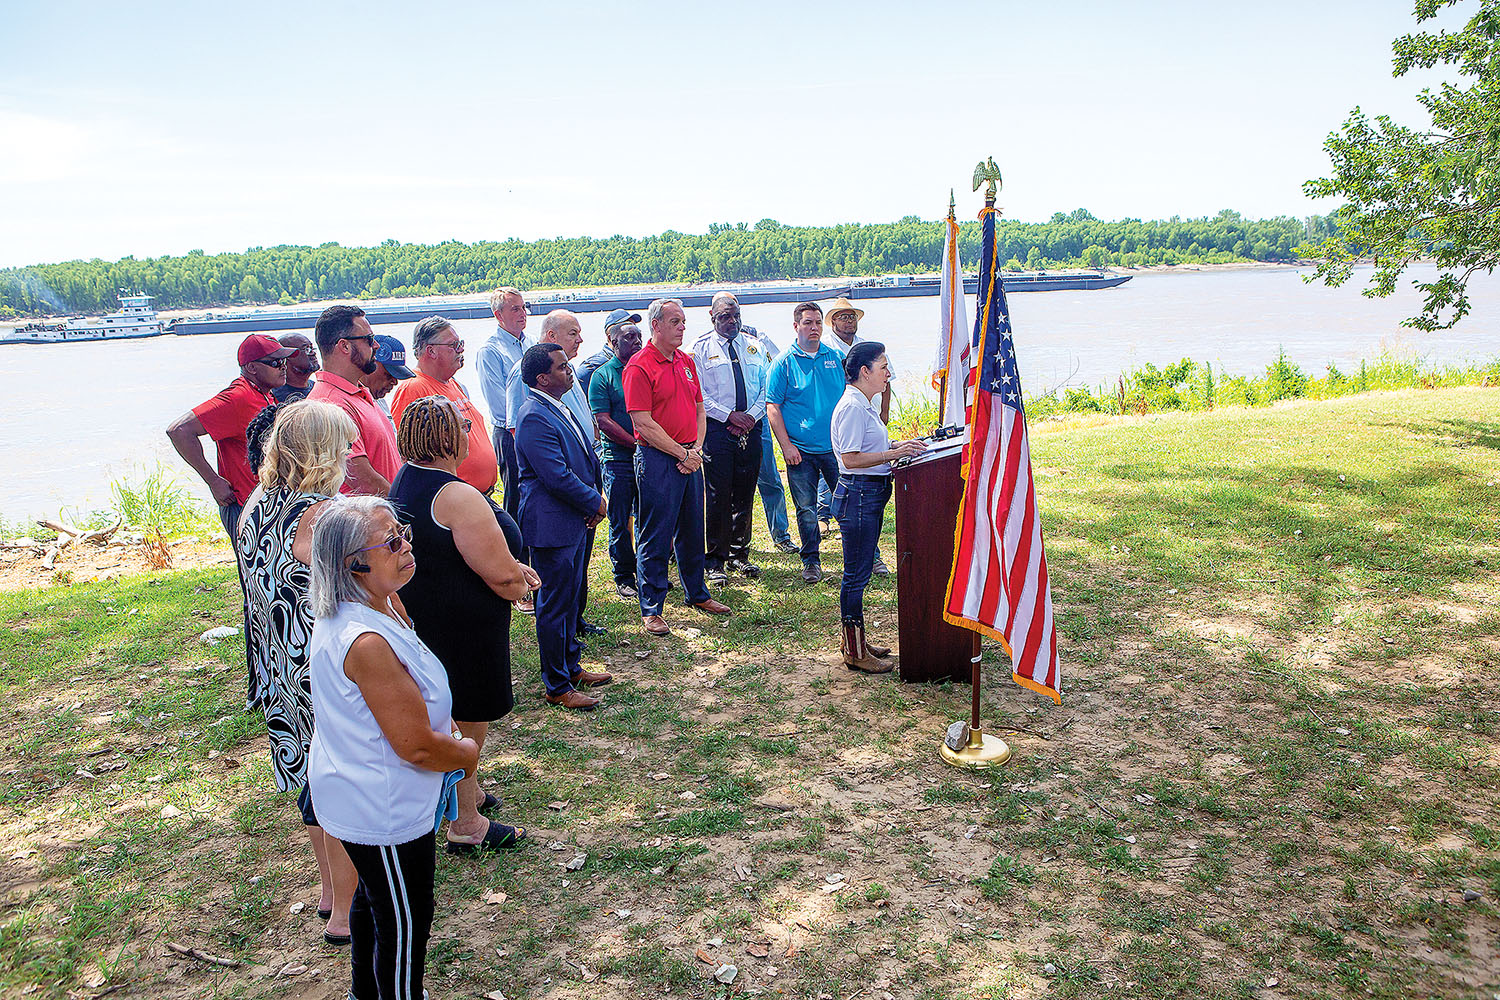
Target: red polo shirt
<point>225,418</point>
<point>377,435</point>
<point>669,388</point>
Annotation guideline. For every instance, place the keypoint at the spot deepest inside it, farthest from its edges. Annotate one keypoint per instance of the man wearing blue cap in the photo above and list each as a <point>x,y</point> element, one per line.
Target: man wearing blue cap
<point>612,323</point>
<point>390,368</point>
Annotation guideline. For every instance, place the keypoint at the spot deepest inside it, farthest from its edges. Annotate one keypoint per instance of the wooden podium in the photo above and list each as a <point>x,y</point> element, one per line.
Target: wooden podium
<point>928,492</point>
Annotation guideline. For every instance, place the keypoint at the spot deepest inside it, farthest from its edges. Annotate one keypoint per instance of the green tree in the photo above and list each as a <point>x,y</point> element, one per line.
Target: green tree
<point>1430,191</point>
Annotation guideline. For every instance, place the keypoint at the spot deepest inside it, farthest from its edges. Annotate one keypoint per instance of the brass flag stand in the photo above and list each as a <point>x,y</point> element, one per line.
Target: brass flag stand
<point>977,750</point>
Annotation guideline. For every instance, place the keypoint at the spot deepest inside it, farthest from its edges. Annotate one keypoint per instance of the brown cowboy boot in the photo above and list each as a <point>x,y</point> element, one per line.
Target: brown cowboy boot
<point>857,655</point>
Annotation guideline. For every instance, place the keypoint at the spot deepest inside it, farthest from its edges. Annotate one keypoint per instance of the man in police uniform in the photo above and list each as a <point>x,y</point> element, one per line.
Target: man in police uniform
<point>734,398</point>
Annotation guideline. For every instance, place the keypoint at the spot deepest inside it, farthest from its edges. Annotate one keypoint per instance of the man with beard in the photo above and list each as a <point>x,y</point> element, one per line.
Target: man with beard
<point>607,400</point>
<point>300,368</point>
<point>224,418</point>
<point>348,347</point>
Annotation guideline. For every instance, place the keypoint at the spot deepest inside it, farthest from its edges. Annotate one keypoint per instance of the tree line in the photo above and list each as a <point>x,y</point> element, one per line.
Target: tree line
<point>727,252</point>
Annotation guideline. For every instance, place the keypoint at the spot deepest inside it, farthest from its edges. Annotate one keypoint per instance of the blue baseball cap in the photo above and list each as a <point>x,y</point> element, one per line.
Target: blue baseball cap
<point>618,316</point>
<point>391,354</point>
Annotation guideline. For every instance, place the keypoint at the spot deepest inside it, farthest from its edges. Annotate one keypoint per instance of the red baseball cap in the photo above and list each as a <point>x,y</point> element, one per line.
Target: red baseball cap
<point>259,347</point>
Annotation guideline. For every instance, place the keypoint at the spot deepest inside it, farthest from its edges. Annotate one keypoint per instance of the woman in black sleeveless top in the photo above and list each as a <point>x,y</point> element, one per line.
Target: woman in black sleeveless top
<point>460,598</point>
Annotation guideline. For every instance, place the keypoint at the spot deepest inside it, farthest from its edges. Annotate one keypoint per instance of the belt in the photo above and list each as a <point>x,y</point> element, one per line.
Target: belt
<point>878,476</point>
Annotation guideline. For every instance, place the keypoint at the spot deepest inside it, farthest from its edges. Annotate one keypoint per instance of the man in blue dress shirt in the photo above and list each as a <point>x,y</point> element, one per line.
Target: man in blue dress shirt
<point>498,357</point>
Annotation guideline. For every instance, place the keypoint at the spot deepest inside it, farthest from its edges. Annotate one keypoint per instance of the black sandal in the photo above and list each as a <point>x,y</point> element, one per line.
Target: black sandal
<point>489,803</point>
<point>498,837</point>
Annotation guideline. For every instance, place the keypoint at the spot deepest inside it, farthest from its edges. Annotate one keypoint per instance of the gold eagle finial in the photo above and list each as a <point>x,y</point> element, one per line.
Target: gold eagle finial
<point>984,171</point>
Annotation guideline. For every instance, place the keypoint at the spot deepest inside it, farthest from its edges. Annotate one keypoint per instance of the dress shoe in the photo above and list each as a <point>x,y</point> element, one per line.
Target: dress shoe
<point>715,574</point>
<point>655,624</point>
<point>880,568</point>
<point>786,545</point>
<point>592,679</point>
<point>748,569</point>
<point>526,606</point>
<point>712,607</point>
<point>627,592</point>
<point>812,572</point>
<point>573,699</point>
<point>589,628</point>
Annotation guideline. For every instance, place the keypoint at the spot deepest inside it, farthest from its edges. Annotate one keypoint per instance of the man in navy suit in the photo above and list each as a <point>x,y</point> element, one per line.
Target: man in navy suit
<point>562,499</point>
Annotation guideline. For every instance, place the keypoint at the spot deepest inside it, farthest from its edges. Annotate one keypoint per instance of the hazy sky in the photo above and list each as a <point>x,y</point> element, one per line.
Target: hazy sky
<point>152,128</point>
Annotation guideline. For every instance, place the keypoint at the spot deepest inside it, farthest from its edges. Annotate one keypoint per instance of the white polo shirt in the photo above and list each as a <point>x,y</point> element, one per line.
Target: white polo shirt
<point>857,427</point>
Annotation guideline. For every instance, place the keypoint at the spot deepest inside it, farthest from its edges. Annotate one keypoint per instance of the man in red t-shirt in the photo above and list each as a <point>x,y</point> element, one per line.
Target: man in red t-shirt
<point>224,419</point>
<point>665,404</point>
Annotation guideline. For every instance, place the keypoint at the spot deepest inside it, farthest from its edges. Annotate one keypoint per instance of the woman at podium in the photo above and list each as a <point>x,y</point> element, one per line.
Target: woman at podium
<point>865,454</point>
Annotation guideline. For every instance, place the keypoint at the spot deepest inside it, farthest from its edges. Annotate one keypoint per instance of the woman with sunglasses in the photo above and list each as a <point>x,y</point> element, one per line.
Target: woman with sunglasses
<point>460,595</point>
<point>383,742</point>
<point>300,466</point>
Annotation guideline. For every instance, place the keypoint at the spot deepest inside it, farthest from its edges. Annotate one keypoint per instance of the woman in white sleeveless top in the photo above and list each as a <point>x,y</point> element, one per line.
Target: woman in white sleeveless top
<point>382,741</point>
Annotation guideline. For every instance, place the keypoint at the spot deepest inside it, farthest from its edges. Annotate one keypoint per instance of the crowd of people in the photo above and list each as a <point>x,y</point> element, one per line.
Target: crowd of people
<point>382,547</point>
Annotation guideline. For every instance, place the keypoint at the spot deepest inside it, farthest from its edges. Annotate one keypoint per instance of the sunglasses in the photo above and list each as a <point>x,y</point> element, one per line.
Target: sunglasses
<point>273,363</point>
<point>368,338</point>
<point>456,345</point>
<point>402,535</point>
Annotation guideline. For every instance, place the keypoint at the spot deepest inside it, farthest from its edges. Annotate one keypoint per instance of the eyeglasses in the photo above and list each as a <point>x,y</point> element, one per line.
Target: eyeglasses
<point>368,338</point>
<point>402,535</point>
<point>273,363</point>
<point>457,345</point>
<point>308,351</point>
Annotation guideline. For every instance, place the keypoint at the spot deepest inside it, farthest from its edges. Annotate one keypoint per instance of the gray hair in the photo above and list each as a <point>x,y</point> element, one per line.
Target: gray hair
<point>654,310</point>
<point>340,532</point>
<point>553,320</point>
<point>426,330</point>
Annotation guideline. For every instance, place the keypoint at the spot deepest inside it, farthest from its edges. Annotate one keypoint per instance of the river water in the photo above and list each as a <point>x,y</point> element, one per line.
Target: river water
<point>81,415</point>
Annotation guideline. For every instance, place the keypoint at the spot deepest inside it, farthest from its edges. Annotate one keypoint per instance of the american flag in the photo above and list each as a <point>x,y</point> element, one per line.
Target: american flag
<point>998,585</point>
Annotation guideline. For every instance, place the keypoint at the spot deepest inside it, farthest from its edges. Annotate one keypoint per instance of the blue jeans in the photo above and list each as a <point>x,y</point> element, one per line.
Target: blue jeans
<point>620,494</point>
<point>671,518</point>
<point>772,496</point>
<point>825,503</point>
<point>859,505</point>
<point>803,480</point>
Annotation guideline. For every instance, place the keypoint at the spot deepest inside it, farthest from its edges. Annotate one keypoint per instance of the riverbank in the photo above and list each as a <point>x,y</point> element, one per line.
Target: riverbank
<point>1273,773</point>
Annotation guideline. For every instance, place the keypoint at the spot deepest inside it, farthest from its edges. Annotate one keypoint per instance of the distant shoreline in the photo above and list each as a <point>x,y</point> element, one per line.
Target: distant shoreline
<point>438,301</point>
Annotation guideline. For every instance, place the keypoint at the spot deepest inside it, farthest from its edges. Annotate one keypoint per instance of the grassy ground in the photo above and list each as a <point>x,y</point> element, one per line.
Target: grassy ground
<point>1274,772</point>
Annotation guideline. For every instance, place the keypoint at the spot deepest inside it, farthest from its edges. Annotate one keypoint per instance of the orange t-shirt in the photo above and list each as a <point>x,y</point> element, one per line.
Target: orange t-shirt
<point>480,470</point>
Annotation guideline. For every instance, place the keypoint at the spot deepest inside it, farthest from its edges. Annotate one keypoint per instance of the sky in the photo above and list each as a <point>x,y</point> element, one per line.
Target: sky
<point>157,128</point>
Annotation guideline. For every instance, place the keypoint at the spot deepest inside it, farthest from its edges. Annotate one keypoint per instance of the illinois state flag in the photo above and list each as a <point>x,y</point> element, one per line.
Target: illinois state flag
<point>953,353</point>
<point>998,585</point>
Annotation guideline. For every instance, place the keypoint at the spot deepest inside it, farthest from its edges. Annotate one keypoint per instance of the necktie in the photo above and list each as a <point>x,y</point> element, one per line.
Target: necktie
<point>741,397</point>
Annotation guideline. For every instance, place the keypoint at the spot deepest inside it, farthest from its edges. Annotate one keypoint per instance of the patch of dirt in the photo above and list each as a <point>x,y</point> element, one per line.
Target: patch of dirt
<point>22,569</point>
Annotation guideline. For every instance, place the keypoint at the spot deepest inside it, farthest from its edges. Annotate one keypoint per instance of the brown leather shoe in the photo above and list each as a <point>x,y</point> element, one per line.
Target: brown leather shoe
<point>655,624</point>
<point>573,699</point>
<point>712,607</point>
<point>592,679</point>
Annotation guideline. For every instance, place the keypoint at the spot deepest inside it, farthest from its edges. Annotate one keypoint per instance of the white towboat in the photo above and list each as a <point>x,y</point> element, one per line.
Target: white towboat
<point>136,318</point>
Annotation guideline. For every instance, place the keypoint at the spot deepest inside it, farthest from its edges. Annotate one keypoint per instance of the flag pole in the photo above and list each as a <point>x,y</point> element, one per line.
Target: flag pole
<point>943,378</point>
<point>979,750</point>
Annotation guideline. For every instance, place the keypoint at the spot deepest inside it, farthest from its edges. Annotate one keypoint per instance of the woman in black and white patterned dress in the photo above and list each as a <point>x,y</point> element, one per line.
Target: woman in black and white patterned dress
<point>301,469</point>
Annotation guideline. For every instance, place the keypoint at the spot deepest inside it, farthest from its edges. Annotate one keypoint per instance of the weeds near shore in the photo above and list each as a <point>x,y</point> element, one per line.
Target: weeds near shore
<point>161,508</point>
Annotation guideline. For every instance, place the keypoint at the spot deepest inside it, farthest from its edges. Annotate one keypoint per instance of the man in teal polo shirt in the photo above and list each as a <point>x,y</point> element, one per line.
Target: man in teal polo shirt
<point>607,400</point>
<point>804,385</point>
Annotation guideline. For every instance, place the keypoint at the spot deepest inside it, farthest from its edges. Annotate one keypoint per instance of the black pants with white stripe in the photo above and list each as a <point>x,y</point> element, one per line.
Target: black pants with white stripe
<point>391,918</point>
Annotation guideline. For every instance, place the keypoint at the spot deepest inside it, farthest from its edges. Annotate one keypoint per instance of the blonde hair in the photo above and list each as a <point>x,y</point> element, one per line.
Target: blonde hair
<point>308,448</point>
<point>430,430</point>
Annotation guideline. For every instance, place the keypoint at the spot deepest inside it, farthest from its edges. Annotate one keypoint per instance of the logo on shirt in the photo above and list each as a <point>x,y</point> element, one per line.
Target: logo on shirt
<point>687,373</point>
